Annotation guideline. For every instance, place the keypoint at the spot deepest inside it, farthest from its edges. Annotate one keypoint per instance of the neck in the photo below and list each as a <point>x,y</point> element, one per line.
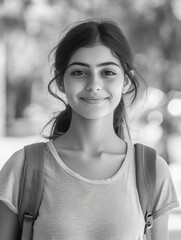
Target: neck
<point>91,135</point>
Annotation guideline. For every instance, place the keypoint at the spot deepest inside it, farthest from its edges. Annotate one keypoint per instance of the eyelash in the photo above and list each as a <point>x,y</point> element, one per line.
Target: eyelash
<point>74,73</point>
<point>111,73</point>
<point>80,73</point>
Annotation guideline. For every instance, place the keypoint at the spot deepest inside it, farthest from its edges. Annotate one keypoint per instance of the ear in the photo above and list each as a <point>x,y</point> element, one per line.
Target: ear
<point>126,85</point>
<point>61,86</point>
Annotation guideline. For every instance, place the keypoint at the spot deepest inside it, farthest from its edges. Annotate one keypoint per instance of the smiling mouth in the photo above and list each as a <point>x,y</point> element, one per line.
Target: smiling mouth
<point>94,100</point>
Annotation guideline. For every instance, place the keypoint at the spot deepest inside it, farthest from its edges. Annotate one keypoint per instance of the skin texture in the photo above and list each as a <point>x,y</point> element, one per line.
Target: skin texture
<point>89,120</point>
<point>160,228</point>
<point>103,81</point>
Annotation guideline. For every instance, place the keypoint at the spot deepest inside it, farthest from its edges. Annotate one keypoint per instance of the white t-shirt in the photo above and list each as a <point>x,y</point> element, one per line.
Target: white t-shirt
<point>77,208</point>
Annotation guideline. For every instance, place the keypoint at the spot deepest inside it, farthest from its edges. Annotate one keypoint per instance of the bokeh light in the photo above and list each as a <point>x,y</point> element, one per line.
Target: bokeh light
<point>176,6</point>
<point>174,107</point>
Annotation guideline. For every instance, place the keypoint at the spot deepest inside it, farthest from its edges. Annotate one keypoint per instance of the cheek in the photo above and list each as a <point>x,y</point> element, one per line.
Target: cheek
<point>116,89</point>
<point>72,85</point>
<point>69,86</point>
<point>71,91</point>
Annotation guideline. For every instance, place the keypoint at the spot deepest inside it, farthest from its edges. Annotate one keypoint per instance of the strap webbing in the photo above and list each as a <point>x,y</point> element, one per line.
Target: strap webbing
<point>31,190</point>
<point>27,233</point>
<point>145,158</point>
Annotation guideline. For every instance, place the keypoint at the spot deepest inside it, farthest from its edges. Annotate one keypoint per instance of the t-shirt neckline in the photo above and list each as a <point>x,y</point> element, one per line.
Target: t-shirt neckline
<point>74,174</point>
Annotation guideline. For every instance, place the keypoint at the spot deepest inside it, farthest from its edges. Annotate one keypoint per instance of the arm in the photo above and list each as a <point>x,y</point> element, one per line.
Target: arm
<point>165,199</point>
<point>9,223</point>
<point>9,192</point>
<point>160,228</point>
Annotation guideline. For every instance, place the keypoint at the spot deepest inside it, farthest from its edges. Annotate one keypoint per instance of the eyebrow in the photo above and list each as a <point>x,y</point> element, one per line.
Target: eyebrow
<point>98,65</point>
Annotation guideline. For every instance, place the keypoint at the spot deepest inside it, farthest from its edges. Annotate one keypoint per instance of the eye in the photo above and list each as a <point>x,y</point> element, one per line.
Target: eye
<point>78,73</point>
<point>108,73</point>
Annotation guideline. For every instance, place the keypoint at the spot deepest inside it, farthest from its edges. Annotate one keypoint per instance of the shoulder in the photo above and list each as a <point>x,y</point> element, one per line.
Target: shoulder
<point>165,197</point>
<point>162,169</point>
<point>10,180</point>
<point>14,163</point>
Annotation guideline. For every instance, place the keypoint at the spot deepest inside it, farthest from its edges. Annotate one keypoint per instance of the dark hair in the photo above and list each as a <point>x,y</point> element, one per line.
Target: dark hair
<point>84,34</point>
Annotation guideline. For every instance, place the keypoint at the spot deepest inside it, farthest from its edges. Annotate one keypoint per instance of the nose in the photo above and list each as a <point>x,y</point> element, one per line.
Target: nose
<point>94,84</point>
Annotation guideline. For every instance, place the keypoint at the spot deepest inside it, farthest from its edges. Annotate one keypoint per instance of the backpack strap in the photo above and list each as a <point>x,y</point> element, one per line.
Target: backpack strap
<point>145,158</point>
<point>31,189</point>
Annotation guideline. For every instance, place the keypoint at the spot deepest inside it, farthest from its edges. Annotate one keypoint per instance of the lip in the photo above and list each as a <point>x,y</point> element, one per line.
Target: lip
<point>94,100</point>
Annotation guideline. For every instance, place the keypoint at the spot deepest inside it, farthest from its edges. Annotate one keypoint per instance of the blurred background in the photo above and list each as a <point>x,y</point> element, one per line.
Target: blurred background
<point>29,29</point>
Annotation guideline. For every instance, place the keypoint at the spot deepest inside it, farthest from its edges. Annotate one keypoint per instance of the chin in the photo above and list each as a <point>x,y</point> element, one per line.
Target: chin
<point>94,116</point>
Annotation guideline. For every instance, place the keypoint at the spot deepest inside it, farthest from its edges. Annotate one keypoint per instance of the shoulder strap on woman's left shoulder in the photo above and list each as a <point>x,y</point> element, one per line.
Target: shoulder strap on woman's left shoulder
<point>145,158</point>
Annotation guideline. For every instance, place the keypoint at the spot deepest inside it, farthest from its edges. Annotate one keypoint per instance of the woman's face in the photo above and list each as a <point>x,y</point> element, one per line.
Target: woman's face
<point>93,82</point>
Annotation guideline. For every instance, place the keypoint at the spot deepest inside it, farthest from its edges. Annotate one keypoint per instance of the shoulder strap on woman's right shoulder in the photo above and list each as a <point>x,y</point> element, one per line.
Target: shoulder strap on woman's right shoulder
<point>31,189</point>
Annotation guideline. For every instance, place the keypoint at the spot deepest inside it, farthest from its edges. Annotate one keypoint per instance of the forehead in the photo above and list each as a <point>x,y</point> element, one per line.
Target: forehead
<point>94,55</point>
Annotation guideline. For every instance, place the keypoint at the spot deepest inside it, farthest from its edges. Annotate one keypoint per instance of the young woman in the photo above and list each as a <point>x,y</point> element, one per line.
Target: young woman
<point>90,185</point>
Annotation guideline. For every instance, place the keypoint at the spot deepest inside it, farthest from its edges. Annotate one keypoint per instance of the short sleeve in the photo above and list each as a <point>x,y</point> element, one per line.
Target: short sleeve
<point>165,198</point>
<point>10,180</point>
